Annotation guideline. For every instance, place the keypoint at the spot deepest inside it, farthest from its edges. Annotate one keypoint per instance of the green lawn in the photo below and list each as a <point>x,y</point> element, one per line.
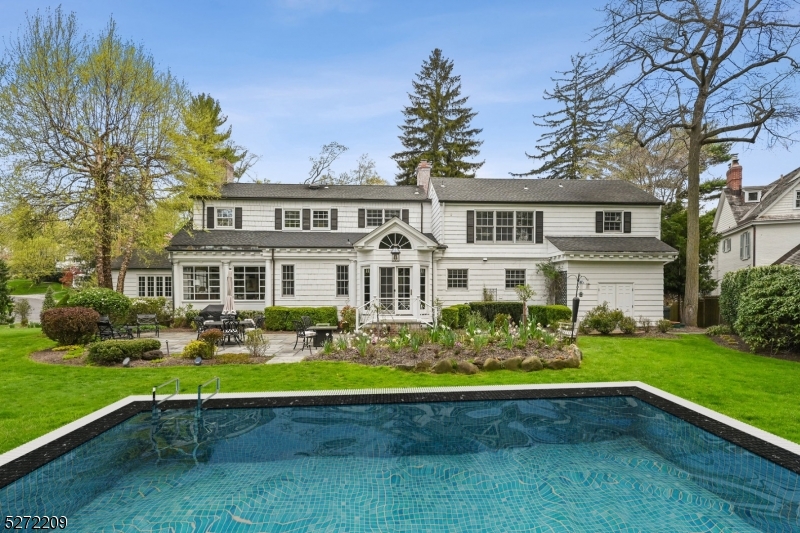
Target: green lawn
<point>24,287</point>
<point>37,398</point>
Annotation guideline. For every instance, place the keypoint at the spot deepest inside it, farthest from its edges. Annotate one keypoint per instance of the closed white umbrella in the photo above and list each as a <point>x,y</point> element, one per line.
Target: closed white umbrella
<point>230,307</point>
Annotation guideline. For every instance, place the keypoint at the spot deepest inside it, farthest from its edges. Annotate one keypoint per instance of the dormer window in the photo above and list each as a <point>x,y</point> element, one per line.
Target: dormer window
<point>224,217</point>
<point>752,196</point>
<point>320,220</point>
<point>291,219</point>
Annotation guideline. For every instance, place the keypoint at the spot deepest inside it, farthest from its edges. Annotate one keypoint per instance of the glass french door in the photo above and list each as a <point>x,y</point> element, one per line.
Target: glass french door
<point>395,289</point>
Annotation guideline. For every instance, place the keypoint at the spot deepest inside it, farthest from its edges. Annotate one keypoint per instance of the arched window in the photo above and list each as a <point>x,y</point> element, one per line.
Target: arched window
<point>395,239</point>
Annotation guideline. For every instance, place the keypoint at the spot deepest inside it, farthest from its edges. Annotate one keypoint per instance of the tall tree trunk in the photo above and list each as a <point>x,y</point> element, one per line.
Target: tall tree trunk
<point>103,232</point>
<point>691,291</point>
<point>127,249</point>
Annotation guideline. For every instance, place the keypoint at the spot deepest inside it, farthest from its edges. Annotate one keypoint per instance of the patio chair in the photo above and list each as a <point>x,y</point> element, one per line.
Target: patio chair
<point>146,320</point>
<point>106,330</point>
<point>305,334</point>
<point>307,322</point>
<point>231,329</point>
<point>199,323</point>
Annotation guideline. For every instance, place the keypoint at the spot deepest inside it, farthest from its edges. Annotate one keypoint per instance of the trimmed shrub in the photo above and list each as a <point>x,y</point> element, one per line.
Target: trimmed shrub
<point>549,315</point>
<point>491,309</point>
<point>734,284</point>
<point>769,310</point>
<point>464,310</point>
<point>211,337</point>
<point>278,318</point>
<point>627,325</point>
<point>195,349</point>
<point>160,306</point>
<point>450,317</point>
<point>501,321</point>
<point>70,325</point>
<point>601,318</point>
<point>115,351</point>
<point>105,301</point>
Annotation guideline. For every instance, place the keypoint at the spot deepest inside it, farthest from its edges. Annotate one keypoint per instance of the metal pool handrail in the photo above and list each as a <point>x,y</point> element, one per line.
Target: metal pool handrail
<point>200,400</point>
<point>177,390</point>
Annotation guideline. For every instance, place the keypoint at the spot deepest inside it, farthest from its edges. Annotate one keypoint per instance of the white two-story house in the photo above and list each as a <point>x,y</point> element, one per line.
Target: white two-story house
<point>445,239</point>
<point>758,225</point>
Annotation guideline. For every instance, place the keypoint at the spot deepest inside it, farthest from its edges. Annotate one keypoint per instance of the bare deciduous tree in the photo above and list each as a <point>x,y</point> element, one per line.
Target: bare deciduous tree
<point>721,70</point>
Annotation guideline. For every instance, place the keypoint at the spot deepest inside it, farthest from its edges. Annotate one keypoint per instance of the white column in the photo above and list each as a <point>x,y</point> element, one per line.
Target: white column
<point>353,280</point>
<point>226,266</point>
<point>177,283</point>
<point>268,280</point>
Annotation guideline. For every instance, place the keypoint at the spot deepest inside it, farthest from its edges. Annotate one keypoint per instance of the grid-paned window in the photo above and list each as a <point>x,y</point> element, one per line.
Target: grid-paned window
<point>484,225</point>
<point>797,199</point>
<point>374,217</point>
<point>744,246</point>
<point>389,214</point>
<point>142,286</point>
<point>291,219</point>
<point>423,286</point>
<point>514,278</point>
<point>504,230</point>
<point>612,221</point>
<point>224,217</point>
<point>726,245</point>
<point>342,280</point>
<point>524,226</point>
<point>367,282</point>
<point>287,280</point>
<point>457,278</point>
<point>319,219</point>
<point>249,283</point>
<point>201,283</point>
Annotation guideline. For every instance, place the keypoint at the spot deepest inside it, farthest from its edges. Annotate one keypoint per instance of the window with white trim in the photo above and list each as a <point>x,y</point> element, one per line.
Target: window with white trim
<point>524,226</point>
<point>504,230</point>
<point>291,219</point>
<point>376,217</point>
<point>224,217</point>
<point>457,278</point>
<point>320,219</point>
<point>389,214</point>
<point>201,283</point>
<point>504,226</point>
<point>249,283</point>
<point>612,221</point>
<point>342,280</point>
<point>484,225</point>
<point>726,245</point>
<point>155,286</point>
<point>797,199</point>
<point>366,286</point>
<point>744,246</point>
<point>514,278</point>
<point>287,280</point>
<point>753,196</point>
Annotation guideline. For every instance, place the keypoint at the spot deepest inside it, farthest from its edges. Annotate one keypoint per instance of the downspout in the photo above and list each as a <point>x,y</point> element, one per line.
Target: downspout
<point>272,266</point>
<point>203,215</point>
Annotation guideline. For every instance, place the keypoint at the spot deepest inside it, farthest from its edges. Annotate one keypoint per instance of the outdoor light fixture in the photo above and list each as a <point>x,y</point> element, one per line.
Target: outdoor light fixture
<point>395,253</point>
<point>198,361</point>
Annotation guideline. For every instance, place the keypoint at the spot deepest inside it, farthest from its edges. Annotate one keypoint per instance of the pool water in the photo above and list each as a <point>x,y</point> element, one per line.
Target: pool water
<point>595,464</point>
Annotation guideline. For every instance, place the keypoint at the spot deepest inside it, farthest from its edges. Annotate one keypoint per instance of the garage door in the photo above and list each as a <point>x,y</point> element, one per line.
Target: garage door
<point>617,295</point>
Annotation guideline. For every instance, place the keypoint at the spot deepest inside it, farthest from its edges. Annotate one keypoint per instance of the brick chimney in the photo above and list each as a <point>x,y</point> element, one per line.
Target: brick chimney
<point>734,174</point>
<point>424,175</point>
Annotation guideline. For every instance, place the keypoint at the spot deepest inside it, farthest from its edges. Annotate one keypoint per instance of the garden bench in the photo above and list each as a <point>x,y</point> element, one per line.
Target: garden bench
<point>107,331</point>
<point>146,320</point>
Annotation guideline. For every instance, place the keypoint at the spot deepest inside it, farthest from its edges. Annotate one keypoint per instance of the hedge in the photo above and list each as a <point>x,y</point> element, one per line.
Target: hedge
<point>769,310</point>
<point>111,352</point>
<point>489,309</point>
<point>107,302</point>
<point>159,306</point>
<point>70,325</point>
<point>548,315</point>
<point>734,285</point>
<point>278,318</point>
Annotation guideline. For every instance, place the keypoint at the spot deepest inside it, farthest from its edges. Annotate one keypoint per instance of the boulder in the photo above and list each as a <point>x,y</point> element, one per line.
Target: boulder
<point>568,362</point>
<point>478,362</point>
<point>407,367</point>
<point>465,367</point>
<point>513,363</point>
<point>492,364</point>
<point>573,348</point>
<point>152,354</point>
<point>532,364</point>
<point>443,367</point>
<point>422,366</point>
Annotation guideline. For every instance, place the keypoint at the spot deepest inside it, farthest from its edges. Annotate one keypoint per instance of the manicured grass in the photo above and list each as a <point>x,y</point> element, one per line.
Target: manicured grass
<point>37,398</point>
<point>24,287</point>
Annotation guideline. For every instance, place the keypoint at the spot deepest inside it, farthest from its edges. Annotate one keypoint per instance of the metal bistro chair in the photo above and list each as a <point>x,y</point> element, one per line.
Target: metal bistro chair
<point>146,320</point>
<point>231,330</point>
<point>305,334</point>
<point>199,323</point>
<point>307,322</point>
<point>106,330</point>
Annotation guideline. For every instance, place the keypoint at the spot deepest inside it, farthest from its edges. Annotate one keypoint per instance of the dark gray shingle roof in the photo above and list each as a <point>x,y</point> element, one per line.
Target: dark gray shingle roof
<point>792,257</point>
<point>745,212</point>
<point>330,192</point>
<point>611,244</point>
<point>243,239</point>
<point>145,260</point>
<point>541,191</point>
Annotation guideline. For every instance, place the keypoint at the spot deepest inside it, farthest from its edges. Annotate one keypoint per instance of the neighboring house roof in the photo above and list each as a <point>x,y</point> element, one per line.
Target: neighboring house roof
<point>792,257</point>
<point>144,260</point>
<point>541,191</point>
<point>323,192</point>
<point>238,239</point>
<point>611,244</point>
<point>746,212</point>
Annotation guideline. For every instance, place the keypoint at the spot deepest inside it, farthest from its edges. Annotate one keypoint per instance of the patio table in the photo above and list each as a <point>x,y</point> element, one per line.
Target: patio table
<point>324,333</point>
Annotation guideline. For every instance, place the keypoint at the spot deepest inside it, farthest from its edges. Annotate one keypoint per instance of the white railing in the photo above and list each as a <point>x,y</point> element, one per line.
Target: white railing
<point>365,313</point>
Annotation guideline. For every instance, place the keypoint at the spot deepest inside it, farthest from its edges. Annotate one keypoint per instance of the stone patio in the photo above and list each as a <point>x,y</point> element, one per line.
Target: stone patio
<point>280,345</point>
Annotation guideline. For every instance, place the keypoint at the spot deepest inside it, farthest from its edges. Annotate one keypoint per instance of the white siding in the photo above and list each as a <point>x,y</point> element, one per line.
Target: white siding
<point>491,275</point>
<point>730,261</point>
<point>784,207</point>
<point>726,219</point>
<point>131,288</point>
<point>436,214</point>
<point>774,240</point>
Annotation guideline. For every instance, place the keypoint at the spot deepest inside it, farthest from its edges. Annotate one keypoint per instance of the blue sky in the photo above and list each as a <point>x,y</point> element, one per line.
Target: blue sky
<point>293,75</point>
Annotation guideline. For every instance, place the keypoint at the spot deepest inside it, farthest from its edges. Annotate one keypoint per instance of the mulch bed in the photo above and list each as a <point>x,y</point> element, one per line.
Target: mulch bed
<point>736,343</point>
<point>57,358</point>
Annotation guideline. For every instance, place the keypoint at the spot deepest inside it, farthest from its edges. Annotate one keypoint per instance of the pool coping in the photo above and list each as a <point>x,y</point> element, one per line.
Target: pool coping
<point>26,458</point>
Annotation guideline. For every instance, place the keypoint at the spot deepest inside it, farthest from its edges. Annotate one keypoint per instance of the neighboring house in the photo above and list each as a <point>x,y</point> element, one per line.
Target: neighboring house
<point>407,246</point>
<point>758,225</point>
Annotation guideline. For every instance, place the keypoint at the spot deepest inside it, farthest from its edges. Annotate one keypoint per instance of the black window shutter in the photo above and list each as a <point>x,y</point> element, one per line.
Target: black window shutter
<point>306,219</point>
<point>539,227</point>
<point>626,222</point>
<point>278,218</point>
<point>470,226</point>
<point>598,222</point>
<point>210,217</point>
<point>404,215</point>
<point>237,218</point>
<point>334,219</point>
<point>362,218</point>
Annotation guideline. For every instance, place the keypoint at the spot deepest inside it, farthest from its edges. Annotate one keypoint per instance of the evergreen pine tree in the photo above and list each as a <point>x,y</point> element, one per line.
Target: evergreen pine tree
<point>48,303</point>
<point>570,146</point>
<point>437,125</point>
<point>6,301</point>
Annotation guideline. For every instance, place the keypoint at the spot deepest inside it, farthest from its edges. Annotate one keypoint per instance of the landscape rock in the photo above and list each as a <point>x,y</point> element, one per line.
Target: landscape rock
<point>478,362</point>
<point>407,367</point>
<point>569,362</point>
<point>576,351</point>
<point>532,364</point>
<point>152,354</point>
<point>465,367</point>
<point>513,363</point>
<point>445,366</point>
<point>492,364</point>
<point>422,366</point>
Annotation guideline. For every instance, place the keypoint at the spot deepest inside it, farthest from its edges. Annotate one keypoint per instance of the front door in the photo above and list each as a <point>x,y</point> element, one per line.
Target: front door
<point>395,289</point>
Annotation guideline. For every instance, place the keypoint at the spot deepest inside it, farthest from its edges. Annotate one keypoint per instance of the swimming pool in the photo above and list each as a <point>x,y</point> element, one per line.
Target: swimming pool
<point>525,459</point>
